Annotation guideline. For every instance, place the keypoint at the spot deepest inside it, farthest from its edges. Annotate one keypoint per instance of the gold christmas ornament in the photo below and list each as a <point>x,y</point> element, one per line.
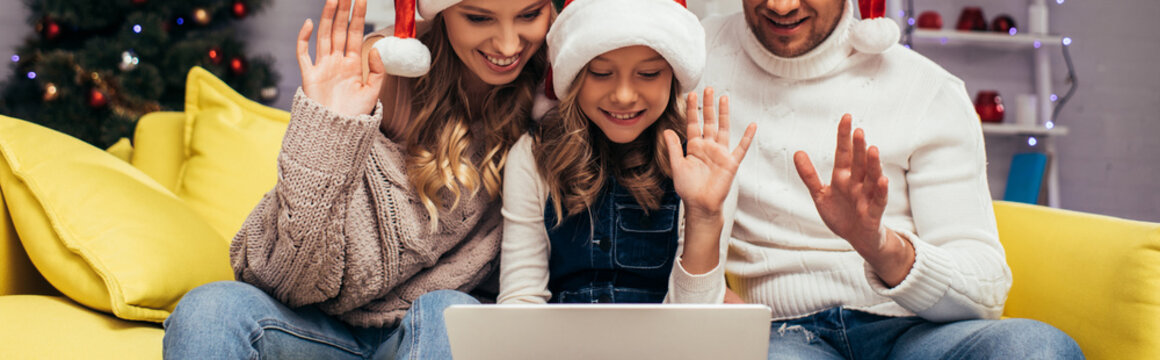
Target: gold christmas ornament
<point>201,16</point>
<point>50,92</point>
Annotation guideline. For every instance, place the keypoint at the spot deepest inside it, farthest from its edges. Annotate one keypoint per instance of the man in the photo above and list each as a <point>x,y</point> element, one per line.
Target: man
<point>898,255</point>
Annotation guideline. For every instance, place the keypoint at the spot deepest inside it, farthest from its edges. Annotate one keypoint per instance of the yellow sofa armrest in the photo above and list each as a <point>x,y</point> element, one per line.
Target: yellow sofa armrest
<point>1095,277</point>
<point>159,146</point>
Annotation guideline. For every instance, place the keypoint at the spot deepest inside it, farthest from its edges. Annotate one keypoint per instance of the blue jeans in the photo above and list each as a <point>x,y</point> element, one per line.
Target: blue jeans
<point>235,320</point>
<point>839,333</point>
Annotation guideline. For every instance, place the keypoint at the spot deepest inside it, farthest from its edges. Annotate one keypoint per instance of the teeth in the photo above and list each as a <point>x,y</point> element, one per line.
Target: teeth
<point>502,62</point>
<point>625,116</point>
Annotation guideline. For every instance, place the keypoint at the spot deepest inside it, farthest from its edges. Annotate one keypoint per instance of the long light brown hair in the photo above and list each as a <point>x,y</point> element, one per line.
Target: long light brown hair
<point>575,158</point>
<point>443,151</point>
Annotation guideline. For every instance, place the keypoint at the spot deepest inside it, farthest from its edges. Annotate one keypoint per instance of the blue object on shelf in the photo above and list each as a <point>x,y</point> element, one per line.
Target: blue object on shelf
<point>1025,178</point>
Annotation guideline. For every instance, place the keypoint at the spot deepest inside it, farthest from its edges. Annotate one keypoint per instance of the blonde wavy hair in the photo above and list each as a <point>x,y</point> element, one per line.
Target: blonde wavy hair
<point>574,157</point>
<point>443,153</point>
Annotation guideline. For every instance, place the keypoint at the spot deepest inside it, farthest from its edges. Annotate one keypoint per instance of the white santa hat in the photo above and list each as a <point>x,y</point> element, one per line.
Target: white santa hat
<point>402,54</point>
<point>874,33</point>
<point>587,28</point>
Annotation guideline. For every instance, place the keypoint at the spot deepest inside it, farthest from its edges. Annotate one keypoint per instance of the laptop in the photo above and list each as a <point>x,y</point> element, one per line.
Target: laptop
<point>608,331</point>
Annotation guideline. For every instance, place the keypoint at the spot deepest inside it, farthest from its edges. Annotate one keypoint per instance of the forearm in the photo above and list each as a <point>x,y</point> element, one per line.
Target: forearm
<point>892,260</point>
<point>702,241</point>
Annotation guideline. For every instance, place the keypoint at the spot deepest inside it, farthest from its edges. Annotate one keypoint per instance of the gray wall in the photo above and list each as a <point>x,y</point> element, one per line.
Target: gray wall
<point>1106,163</point>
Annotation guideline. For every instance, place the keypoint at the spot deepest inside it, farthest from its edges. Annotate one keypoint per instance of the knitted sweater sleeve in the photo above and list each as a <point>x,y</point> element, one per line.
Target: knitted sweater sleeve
<point>960,271</point>
<point>292,245</point>
<point>523,276</point>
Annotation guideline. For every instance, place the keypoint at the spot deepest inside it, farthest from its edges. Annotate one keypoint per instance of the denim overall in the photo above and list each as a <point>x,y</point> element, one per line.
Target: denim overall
<point>625,257</point>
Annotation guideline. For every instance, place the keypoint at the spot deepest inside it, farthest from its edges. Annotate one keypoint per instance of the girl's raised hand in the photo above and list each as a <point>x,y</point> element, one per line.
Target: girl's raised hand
<point>335,78</point>
<point>703,174</point>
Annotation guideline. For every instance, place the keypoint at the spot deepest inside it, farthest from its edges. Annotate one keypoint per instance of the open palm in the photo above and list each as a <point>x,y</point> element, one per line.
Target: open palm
<point>853,203</point>
<point>704,173</point>
<point>335,78</point>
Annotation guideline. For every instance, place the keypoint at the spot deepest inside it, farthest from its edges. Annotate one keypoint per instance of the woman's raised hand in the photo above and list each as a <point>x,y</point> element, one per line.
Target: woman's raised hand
<point>334,79</point>
<point>703,174</point>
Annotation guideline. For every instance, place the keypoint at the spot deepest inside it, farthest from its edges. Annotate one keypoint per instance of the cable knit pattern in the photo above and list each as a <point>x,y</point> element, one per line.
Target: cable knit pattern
<point>343,228</point>
<point>931,144</point>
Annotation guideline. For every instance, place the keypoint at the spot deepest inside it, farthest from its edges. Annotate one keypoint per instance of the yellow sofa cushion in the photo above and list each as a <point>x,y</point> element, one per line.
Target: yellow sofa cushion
<point>1095,277</point>
<point>47,327</point>
<point>232,147</point>
<point>102,232</point>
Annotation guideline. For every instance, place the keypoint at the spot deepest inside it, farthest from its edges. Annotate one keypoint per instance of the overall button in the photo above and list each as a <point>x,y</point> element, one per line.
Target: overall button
<point>604,299</point>
<point>604,244</point>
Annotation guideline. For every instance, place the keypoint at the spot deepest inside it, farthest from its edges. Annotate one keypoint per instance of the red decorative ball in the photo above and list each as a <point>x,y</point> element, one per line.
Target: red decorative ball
<point>930,20</point>
<point>1003,23</point>
<point>237,66</point>
<point>216,56</point>
<point>51,29</point>
<point>239,9</point>
<point>97,99</point>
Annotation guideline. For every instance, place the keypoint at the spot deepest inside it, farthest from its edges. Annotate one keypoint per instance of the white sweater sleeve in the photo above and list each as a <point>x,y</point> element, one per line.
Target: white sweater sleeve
<point>523,274</point>
<point>960,271</point>
<point>707,288</point>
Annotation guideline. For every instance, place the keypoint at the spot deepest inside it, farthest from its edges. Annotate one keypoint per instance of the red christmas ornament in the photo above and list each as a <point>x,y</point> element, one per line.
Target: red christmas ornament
<point>216,56</point>
<point>49,28</point>
<point>237,66</point>
<point>239,9</point>
<point>989,106</point>
<point>97,99</point>
<point>930,20</point>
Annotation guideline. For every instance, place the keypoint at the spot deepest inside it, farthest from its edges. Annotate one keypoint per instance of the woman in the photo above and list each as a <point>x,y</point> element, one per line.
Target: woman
<point>383,212</point>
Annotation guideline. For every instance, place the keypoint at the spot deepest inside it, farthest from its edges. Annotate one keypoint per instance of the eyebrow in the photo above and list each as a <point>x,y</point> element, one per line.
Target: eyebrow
<point>489,12</point>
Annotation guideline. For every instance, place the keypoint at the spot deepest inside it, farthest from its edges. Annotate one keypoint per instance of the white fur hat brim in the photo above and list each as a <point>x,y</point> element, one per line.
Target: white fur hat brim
<point>429,8</point>
<point>587,28</point>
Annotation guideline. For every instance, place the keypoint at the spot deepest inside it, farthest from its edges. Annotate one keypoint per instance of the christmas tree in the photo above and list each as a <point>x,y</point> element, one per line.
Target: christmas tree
<point>93,67</point>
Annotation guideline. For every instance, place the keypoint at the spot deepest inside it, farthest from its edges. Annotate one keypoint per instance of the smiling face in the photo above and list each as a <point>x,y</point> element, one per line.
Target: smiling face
<point>791,28</point>
<point>624,91</point>
<point>496,38</point>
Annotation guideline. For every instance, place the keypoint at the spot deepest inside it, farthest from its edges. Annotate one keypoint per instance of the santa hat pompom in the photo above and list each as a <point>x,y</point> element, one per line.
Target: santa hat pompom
<point>402,54</point>
<point>874,33</point>
<point>404,57</point>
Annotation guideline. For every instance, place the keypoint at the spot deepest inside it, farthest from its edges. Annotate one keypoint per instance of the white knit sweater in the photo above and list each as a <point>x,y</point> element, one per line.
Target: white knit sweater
<point>922,120</point>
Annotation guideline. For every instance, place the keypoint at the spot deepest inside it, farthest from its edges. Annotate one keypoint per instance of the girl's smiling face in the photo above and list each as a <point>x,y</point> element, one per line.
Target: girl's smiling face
<point>624,91</point>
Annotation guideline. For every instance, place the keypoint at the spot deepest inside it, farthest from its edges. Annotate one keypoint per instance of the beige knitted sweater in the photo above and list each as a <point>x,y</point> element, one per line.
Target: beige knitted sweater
<point>343,228</point>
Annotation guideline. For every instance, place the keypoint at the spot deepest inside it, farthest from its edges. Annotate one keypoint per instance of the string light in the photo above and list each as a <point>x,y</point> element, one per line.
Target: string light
<point>15,58</point>
<point>1066,41</point>
<point>1013,31</point>
<point>1059,2</point>
<point>943,41</point>
<point>31,74</point>
<point>180,21</point>
<point>910,21</point>
<point>1038,44</point>
<point>1054,97</point>
<point>137,29</point>
<point>1049,125</point>
<point>1032,141</point>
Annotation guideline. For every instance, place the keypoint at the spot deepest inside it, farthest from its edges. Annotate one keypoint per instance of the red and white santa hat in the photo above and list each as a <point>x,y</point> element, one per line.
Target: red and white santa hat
<point>587,28</point>
<point>874,33</point>
<point>402,54</point>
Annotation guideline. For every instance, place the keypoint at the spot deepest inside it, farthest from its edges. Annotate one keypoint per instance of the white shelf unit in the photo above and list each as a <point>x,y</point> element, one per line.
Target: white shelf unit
<point>1041,44</point>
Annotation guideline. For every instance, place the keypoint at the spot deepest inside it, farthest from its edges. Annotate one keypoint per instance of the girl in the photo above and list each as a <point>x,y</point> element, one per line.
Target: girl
<point>593,196</point>
<point>383,211</point>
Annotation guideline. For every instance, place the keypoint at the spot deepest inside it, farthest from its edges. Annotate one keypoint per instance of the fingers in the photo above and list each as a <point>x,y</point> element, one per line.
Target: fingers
<point>341,23</point>
<point>377,69</point>
<point>877,185</point>
<point>723,118</point>
<point>324,27</point>
<point>746,139</point>
<point>355,35</point>
<point>304,62</point>
<point>693,129</point>
<point>842,149</point>
<point>806,171</point>
<point>676,154</point>
<point>858,160</point>
<point>710,117</point>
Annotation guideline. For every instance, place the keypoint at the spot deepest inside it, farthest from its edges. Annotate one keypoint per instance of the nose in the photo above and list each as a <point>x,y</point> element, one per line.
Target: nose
<point>782,7</point>
<point>625,93</point>
<point>507,42</point>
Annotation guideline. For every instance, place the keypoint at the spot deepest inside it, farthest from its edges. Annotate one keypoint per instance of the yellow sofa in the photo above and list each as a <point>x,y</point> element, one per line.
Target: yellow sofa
<point>1095,277</point>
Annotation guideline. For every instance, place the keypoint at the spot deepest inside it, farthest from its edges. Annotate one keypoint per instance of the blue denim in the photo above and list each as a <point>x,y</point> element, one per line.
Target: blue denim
<point>839,333</point>
<point>235,320</point>
<point>615,252</point>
